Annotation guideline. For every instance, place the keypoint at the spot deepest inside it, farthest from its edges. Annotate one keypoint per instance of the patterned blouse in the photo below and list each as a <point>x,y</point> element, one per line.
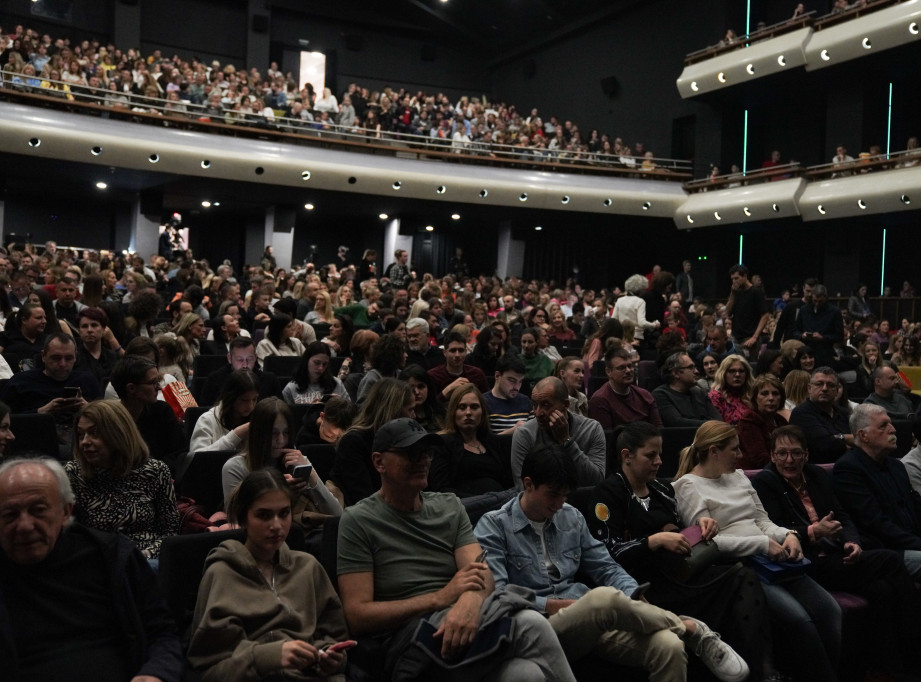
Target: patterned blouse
<point>141,505</point>
<point>730,407</point>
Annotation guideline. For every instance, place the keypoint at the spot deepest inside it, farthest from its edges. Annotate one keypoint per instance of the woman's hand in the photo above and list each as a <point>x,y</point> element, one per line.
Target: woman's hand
<point>298,655</point>
<point>242,431</point>
<point>776,552</point>
<point>794,549</point>
<point>670,542</point>
<point>708,527</point>
<point>330,662</point>
<point>292,457</point>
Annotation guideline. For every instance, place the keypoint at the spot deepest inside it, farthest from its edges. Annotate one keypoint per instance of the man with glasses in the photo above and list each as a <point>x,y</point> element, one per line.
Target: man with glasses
<point>136,380</point>
<point>874,488</point>
<point>582,438</point>
<point>824,423</point>
<point>411,569</point>
<point>619,401</point>
<point>508,407</point>
<point>680,400</point>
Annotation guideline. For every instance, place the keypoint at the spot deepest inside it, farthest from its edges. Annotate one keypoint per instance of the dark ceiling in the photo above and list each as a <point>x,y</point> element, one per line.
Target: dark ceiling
<point>496,29</point>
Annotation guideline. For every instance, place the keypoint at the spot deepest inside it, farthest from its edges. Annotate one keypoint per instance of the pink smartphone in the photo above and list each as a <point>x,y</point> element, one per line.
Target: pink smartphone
<point>342,646</point>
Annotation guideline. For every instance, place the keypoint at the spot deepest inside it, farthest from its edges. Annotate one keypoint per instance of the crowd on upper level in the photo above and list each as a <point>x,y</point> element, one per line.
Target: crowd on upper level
<point>224,93</point>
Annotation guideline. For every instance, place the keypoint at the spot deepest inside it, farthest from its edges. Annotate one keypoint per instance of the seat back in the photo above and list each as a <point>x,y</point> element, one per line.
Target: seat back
<point>674,439</point>
<point>203,364</point>
<point>322,457</point>
<point>34,433</point>
<point>281,365</point>
<point>191,417</point>
<point>202,479</point>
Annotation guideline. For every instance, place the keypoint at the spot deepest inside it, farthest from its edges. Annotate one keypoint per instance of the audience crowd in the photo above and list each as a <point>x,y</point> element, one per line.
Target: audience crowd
<point>114,77</point>
<point>116,350</point>
<point>333,390</point>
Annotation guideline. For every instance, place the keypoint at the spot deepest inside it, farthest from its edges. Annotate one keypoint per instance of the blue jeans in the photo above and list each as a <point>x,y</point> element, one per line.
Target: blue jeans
<point>809,619</point>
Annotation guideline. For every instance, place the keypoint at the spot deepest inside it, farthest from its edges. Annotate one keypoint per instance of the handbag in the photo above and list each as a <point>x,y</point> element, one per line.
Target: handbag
<point>776,572</point>
<point>704,553</point>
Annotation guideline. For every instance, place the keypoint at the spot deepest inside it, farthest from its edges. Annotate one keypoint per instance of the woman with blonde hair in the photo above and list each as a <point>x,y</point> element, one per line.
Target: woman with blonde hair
<point>732,387</point>
<point>796,389</point>
<point>708,484</point>
<point>322,309</point>
<point>118,486</point>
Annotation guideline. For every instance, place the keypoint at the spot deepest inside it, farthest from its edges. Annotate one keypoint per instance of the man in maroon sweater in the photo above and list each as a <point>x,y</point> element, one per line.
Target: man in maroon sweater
<point>454,373</point>
<point>619,401</point>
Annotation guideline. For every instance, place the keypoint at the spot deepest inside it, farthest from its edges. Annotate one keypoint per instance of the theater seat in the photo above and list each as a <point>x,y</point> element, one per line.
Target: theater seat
<point>34,433</point>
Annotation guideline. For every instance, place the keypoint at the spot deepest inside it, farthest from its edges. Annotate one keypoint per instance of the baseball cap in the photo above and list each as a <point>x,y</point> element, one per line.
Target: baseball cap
<point>402,433</point>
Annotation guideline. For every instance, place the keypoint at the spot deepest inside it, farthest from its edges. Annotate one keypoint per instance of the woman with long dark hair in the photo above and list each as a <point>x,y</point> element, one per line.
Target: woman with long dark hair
<point>428,411</point>
<point>312,379</point>
<point>280,339</point>
<point>226,425</point>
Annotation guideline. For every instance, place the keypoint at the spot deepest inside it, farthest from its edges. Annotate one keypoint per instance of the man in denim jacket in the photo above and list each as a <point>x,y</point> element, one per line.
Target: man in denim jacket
<point>538,541</point>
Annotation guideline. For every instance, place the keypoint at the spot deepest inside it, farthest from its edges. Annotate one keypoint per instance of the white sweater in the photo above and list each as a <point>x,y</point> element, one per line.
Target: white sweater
<point>745,528</point>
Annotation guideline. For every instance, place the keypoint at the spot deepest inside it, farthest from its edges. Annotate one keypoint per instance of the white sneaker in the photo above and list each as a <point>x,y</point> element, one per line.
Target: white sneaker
<point>719,657</point>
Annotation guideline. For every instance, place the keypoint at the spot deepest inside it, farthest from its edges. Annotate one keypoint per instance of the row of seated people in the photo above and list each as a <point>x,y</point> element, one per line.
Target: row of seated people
<point>401,526</point>
<point>173,86</point>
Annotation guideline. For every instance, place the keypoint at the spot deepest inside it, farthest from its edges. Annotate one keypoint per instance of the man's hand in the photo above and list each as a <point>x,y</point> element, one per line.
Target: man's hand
<point>298,655</point>
<point>472,577</point>
<point>559,426</point>
<point>457,383</point>
<point>459,628</point>
<point>62,405</point>
<point>851,552</point>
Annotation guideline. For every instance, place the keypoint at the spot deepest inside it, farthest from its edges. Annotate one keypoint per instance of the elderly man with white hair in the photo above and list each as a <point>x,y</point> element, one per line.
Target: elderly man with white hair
<point>874,488</point>
<point>75,603</point>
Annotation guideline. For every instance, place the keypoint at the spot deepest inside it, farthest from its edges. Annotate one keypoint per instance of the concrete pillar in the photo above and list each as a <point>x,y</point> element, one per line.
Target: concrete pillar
<point>510,256</point>
<point>143,232</point>
<point>279,232</point>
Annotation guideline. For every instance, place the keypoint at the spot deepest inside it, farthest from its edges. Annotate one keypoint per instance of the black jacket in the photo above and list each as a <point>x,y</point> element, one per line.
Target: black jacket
<point>150,643</point>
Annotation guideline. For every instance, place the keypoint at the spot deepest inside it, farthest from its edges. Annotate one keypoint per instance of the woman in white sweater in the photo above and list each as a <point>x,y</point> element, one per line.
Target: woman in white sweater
<point>226,425</point>
<point>708,484</point>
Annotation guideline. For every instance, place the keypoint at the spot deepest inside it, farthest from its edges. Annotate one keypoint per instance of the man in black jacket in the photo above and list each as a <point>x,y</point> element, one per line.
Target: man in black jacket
<point>75,603</point>
<point>681,401</point>
<point>242,355</point>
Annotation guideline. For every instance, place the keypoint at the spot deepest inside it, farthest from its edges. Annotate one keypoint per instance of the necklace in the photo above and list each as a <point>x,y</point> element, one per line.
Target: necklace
<point>643,501</point>
<point>475,446</point>
<point>268,577</point>
<point>802,485</point>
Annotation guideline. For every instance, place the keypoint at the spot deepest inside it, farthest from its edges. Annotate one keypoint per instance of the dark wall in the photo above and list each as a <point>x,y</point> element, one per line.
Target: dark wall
<point>644,51</point>
<point>72,223</point>
<point>382,59</point>
<point>209,29</point>
<point>89,19</point>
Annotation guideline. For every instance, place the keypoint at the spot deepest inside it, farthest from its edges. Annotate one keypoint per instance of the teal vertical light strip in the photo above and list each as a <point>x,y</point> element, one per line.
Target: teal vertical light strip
<point>748,17</point>
<point>745,144</point>
<point>882,274</point>
<point>742,238</point>
<point>889,126</point>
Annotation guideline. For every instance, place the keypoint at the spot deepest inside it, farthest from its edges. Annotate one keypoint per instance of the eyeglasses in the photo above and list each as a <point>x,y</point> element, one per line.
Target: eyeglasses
<point>736,371</point>
<point>691,366</point>
<point>793,454</point>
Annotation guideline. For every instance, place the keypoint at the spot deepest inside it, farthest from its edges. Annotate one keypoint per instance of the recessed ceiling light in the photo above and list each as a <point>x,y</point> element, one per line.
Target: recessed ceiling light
<point>906,199</point>
<point>441,189</point>
<point>861,204</point>
<point>565,199</point>
<point>309,207</point>
<point>690,219</point>
<point>647,205</point>
<point>96,151</point>
<point>153,158</point>
<point>781,60</point>
<point>397,184</point>
<point>747,211</point>
<point>775,208</point>
<point>821,209</point>
<point>101,185</point>
<point>694,86</point>
<point>750,69</point>
<point>206,164</point>
<point>206,204</point>
<point>523,196</point>
<point>455,216</point>
<point>866,43</point>
<point>721,77</point>
<point>913,28</point>
<point>429,228</point>
<point>305,175</point>
<point>538,228</point>
<point>716,214</point>
<point>216,203</point>
<point>484,193</point>
<point>34,142</point>
<point>607,202</point>
<point>825,56</point>
<point>383,216</point>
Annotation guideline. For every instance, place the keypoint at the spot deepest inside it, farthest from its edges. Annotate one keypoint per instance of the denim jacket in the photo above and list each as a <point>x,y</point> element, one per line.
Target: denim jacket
<point>515,555</point>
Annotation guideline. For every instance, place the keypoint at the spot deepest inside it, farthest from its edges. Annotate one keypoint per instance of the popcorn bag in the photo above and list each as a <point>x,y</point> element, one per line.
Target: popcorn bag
<point>179,397</point>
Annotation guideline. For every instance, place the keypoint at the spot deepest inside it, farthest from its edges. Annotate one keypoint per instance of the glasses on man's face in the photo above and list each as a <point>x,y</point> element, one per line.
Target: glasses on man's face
<point>735,371</point>
<point>691,366</point>
<point>795,455</point>
<point>622,368</point>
